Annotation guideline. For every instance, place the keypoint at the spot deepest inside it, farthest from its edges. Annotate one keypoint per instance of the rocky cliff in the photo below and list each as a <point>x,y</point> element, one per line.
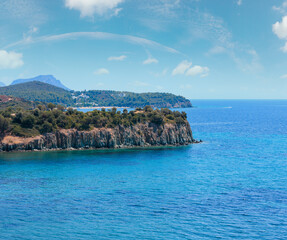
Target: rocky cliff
<point>140,135</point>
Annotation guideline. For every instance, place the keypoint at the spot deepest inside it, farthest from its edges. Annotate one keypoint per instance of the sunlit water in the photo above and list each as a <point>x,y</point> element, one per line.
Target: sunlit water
<point>233,186</point>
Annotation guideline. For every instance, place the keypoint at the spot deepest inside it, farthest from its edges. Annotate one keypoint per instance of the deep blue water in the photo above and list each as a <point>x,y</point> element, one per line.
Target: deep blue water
<point>233,186</point>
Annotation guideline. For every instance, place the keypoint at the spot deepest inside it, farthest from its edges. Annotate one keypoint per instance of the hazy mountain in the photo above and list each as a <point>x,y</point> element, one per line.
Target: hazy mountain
<point>2,84</point>
<point>49,79</point>
<point>38,91</point>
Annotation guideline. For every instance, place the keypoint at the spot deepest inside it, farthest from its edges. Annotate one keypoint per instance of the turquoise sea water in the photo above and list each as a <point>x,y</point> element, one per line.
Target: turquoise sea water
<point>233,186</point>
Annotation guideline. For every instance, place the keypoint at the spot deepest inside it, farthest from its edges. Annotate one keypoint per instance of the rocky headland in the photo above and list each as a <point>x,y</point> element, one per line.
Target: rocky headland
<point>139,135</point>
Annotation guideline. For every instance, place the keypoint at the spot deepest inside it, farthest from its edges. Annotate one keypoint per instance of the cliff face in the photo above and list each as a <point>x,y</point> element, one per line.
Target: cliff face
<point>140,135</point>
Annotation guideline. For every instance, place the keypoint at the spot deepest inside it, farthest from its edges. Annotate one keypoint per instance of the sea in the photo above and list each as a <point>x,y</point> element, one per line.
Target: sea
<point>232,186</point>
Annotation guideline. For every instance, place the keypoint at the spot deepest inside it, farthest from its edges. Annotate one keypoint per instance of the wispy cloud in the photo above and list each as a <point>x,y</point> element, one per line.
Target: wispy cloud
<point>10,60</point>
<point>27,11</point>
<point>150,60</point>
<point>185,86</point>
<point>284,48</point>
<point>140,84</point>
<point>101,71</point>
<point>282,9</point>
<point>251,64</point>
<point>239,2</point>
<point>95,35</point>
<point>284,76</point>
<point>117,58</point>
<point>88,8</point>
<point>216,50</point>
<point>162,7</point>
<point>160,74</point>
<point>28,35</point>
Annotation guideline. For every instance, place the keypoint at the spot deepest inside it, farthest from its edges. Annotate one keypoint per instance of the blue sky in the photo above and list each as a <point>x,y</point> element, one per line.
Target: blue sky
<point>201,49</point>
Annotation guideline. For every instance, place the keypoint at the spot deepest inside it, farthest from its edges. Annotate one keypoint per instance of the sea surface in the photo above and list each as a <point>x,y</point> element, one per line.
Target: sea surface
<point>233,186</point>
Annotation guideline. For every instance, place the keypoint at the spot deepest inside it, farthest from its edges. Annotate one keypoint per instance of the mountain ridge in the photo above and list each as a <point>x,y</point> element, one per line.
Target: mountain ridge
<point>49,79</point>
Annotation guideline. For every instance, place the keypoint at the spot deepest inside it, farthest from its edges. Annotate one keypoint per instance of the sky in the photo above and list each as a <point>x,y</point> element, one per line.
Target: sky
<point>200,49</point>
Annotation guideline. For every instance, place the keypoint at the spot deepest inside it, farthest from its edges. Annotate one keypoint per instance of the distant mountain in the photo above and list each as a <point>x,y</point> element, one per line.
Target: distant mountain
<point>38,91</point>
<point>2,84</point>
<point>49,79</point>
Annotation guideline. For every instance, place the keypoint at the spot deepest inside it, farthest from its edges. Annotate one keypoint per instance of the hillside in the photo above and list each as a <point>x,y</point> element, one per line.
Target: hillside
<point>129,99</point>
<point>15,103</point>
<point>49,79</point>
<point>43,92</point>
<point>38,91</point>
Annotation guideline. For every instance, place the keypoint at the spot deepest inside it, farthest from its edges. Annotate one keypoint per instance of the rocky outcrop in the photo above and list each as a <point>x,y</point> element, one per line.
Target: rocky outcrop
<point>140,135</point>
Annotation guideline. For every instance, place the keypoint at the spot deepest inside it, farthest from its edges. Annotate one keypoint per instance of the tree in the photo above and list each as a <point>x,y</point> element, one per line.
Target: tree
<point>148,109</point>
<point>4,124</point>
<point>157,119</point>
<point>28,121</point>
<point>46,127</point>
<point>51,106</point>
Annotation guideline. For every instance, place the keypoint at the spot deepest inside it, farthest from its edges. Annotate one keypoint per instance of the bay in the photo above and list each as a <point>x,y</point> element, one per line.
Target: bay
<point>232,186</point>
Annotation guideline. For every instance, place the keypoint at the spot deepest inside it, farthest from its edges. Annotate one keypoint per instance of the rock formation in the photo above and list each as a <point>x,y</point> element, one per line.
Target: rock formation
<point>140,135</point>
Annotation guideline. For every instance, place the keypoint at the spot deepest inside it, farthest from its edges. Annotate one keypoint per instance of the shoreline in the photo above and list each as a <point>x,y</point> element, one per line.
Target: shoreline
<point>97,107</point>
<point>101,149</point>
<point>119,107</point>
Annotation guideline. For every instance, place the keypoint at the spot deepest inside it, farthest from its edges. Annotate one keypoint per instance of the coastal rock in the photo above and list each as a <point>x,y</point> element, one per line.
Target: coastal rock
<point>140,135</point>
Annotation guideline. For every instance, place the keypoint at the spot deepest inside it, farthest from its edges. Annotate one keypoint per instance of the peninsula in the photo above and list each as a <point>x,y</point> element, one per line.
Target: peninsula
<point>52,127</point>
<point>48,89</point>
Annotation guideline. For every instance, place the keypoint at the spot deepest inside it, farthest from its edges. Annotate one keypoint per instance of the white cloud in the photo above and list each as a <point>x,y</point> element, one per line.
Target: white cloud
<point>182,68</point>
<point>101,71</point>
<point>284,76</point>
<point>280,28</point>
<point>239,2</point>
<point>10,60</point>
<point>90,7</point>
<point>117,58</point>
<point>150,60</point>
<point>198,70</point>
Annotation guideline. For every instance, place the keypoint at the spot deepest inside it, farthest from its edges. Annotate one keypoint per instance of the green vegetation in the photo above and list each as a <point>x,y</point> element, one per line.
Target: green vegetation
<point>43,92</point>
<point>17,103</point>
<point>129,99</point>
<point>45,119</point>
<point>38,91</point>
